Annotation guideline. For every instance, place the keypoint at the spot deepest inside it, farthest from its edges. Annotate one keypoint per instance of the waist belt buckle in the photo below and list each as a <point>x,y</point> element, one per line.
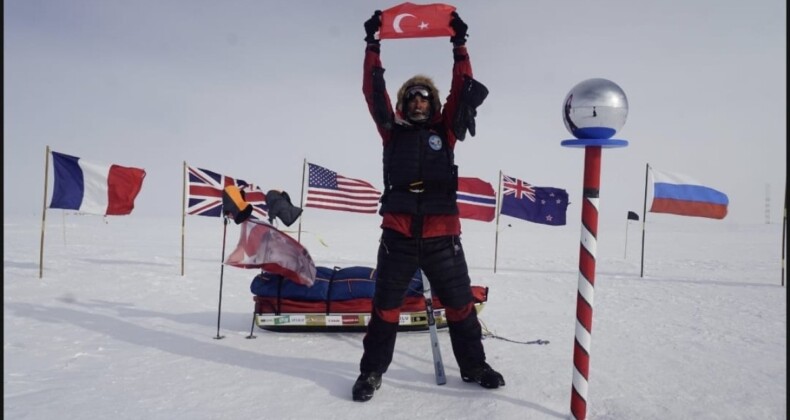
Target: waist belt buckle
<point>416,187</point>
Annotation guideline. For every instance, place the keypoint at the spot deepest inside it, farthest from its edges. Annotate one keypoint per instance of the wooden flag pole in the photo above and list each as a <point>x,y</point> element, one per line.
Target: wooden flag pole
<point>43,216</point>
<point>183,212</point>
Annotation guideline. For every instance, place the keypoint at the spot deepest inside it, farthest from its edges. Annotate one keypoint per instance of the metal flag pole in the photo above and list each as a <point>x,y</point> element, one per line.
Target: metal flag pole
<point>644,222</point>
<point>498,209</point>
<point>625,250</point>
<point>44,217</point>
<point>301,202</point>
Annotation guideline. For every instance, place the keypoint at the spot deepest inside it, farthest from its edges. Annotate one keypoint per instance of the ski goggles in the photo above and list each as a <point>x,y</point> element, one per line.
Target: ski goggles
<point>418,90</point>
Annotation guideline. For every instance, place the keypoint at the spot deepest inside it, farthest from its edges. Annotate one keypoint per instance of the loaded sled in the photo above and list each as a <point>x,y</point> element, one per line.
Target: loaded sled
<point>340,299</point>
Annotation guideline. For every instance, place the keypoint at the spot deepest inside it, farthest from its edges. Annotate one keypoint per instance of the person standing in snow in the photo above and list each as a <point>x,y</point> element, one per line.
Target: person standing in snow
<point>420,223</point>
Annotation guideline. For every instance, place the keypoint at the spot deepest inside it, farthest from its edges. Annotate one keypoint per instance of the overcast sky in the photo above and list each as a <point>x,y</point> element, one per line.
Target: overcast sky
<point>253,88</point>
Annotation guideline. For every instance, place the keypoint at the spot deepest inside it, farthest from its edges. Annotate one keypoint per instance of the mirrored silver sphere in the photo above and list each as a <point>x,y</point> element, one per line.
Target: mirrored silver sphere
<point>595,109</point>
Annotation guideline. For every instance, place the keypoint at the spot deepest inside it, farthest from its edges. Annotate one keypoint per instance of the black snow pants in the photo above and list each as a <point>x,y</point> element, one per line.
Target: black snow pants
<point>444,264</point>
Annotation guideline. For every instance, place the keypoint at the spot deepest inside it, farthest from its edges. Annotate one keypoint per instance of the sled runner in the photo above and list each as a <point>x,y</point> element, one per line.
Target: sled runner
<point>340,299</point>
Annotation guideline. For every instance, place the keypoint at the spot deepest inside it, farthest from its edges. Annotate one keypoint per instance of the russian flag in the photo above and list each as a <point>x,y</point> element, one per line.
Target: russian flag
<point>94,188</point>
<point>476,199</point>
<point>681,195</point>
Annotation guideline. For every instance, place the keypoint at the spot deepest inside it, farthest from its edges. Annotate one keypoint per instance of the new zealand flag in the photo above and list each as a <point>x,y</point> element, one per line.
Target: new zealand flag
<point>545,205</point>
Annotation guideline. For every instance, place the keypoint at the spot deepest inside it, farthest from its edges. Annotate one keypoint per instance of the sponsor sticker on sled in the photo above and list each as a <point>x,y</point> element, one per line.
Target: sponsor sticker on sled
<point>265,320</point>
<point>334,320</point>
<point>290,320</point>
<point>314,319</point>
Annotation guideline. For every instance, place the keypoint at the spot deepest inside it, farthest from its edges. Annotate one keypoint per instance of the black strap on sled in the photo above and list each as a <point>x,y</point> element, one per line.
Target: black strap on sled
<point>278,308</point>
<point>335,269</point>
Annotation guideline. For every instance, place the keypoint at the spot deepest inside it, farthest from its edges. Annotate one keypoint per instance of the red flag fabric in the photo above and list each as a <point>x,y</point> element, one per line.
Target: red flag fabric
<point>263,246</point>
<point>476,199</point>
<point>409,20</point>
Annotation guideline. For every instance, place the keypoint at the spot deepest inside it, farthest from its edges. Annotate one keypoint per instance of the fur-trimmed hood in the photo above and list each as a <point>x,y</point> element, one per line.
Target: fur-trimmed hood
<point>419,80</point>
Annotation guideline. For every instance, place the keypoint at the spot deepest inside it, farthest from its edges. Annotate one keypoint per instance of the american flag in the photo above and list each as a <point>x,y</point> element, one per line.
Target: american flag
<point>205,194</point>
<point>328,190</point>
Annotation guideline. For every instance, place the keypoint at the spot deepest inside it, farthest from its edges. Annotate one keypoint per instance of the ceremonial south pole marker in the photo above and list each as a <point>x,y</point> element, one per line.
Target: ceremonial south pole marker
<point>593,111</point>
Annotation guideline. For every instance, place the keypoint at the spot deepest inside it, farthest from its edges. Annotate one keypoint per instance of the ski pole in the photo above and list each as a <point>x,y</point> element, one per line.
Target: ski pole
<point>438,365</point>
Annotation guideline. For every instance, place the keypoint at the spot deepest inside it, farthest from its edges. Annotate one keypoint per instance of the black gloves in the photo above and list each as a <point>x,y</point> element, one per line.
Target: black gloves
<point>372,26</point>
<point>473,93</point>
<point>279,203</point>
<point>460,27</point>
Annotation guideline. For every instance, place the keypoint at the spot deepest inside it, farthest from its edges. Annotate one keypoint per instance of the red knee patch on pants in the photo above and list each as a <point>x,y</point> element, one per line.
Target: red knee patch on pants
<point>389,315</point>
<point>459,314</point>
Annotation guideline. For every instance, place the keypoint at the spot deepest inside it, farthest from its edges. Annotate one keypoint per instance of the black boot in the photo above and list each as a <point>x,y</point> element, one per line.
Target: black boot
<point>485,376</point>
<point>367,383</point>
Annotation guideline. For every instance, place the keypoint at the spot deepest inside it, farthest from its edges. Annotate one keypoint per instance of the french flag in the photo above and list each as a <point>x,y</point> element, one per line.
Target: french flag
<point>94,188</point>
<point>476,199</point>
<point>684,196</point>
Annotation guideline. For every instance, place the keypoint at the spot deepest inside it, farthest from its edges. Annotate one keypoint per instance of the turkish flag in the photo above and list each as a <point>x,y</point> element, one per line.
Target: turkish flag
<point>409,20</point>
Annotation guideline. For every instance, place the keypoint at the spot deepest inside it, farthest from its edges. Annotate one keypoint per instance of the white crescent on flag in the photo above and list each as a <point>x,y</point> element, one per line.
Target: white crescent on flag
<point>396,21</point>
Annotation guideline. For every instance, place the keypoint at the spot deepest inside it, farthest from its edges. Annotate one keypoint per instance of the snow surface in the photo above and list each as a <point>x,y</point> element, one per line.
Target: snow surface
<point>114,331</point>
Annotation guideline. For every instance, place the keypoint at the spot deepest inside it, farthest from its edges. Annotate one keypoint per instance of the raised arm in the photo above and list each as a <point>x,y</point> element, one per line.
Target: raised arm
<point>373,86</point>
<point>461,67</point>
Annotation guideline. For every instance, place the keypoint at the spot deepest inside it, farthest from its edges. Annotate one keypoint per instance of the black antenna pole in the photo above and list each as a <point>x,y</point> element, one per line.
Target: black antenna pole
<point>221,273</point>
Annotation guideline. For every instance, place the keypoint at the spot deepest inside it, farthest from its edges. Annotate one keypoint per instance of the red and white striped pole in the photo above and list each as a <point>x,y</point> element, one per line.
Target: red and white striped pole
<point>586,291</point>
<point>594,110</point>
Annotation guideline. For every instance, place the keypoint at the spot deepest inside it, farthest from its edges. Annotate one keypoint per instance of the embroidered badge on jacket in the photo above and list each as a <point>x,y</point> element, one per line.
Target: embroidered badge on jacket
<point>435,142</point>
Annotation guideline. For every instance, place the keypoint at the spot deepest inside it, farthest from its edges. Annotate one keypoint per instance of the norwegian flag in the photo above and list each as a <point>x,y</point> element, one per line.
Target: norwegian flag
<point>476,199</point>
<point>205,194</point>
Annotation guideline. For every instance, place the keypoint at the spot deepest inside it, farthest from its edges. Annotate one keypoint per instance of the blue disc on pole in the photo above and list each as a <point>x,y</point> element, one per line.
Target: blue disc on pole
<point>605,143</point>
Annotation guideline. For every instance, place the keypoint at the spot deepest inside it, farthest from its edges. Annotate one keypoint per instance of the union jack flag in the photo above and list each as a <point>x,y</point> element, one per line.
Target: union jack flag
<point>205,194</point>
<point>517,188</point>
